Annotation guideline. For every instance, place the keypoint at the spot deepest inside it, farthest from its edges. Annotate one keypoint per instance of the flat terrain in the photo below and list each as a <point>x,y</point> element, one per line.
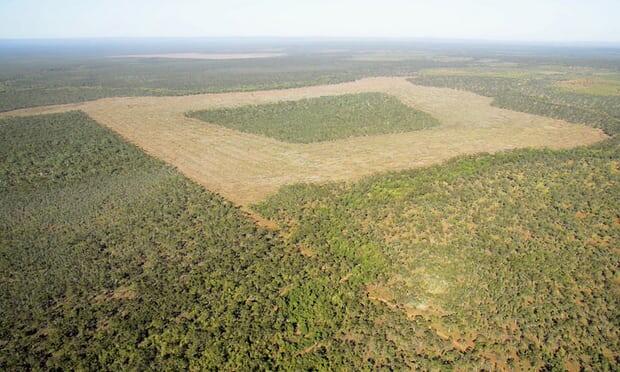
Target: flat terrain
<point>246,168</point>
<point>110,259</point>
<point>92,233</point>
<point>429,255</point>
<point>322,119</point>
<point>596,86</point>
<point>207,56</point>
<point>511,258</point>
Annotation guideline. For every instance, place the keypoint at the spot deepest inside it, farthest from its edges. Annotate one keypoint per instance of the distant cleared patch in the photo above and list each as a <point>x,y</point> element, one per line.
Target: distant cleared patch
<point>593,86</point>
<point>211,56</point>
<point>323,119</point>
<point>394,56</point>
<point>390,56</point>
<point>498,72</point>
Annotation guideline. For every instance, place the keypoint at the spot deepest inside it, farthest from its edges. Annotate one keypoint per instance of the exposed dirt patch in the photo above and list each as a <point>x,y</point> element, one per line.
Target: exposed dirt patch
<point>120,294</point>
<point>246,168</point>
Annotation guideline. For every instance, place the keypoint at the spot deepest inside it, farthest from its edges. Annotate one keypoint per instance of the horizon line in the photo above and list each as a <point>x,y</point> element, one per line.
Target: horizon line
<point>325,38</point>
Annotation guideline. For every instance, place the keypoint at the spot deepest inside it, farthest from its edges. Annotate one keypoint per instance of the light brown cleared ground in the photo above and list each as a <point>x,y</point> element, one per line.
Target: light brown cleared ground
<point>246,168</point>
<point>214,56</point>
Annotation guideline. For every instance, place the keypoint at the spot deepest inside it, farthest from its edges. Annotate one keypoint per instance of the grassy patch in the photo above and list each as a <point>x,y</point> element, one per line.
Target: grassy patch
<point>507,73</point>
<point>594,86</point>
<point>322,119</point>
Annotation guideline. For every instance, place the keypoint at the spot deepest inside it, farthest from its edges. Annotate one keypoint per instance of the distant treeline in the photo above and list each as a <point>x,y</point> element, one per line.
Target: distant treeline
<point>28,82</point>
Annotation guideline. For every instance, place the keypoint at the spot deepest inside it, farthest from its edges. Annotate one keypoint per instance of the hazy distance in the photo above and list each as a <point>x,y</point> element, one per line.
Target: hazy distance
<point>526,20</point>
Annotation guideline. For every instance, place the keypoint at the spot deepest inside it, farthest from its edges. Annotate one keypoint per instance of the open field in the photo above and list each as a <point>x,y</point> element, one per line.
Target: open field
<point>508,73</point>
<point>208,153</point>
<point>594,86</point>
<point>207,56</point>
<point>389,56</point>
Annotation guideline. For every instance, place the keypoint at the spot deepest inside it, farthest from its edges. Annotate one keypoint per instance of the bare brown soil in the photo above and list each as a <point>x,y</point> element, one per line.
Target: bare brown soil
<point>246,168</point>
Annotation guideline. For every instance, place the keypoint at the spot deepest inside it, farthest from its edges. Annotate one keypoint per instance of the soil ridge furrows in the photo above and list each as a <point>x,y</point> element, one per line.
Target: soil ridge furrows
<point>246,168</point>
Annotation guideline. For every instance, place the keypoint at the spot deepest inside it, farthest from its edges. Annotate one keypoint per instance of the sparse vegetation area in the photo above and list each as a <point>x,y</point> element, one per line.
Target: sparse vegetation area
<point>322,119</point>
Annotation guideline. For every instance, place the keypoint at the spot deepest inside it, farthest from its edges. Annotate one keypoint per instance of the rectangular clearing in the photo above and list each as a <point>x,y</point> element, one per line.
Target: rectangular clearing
<point>320,119</point>
<point>246,167</point>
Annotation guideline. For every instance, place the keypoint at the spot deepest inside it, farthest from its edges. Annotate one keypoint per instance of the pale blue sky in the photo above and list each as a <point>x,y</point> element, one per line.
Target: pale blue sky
<point>514,20</point>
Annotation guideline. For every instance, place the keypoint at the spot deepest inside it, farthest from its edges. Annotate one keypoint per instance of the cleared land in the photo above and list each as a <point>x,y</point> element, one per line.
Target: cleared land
<point>593,86</point>
<point>246,168</point>
<point>322,119</point>
<point>208,56</point>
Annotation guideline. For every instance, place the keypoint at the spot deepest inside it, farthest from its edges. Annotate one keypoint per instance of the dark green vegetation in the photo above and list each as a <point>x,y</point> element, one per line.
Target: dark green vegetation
<point>45,83</point>
<point>111,259</point>
<point>55,72</point>
<point>509,259</point>
<point>322,119</point>
<point>537,94</point>
<point>26,82</point>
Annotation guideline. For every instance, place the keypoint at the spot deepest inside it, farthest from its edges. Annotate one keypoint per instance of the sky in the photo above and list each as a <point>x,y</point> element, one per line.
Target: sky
<point>500,20</point>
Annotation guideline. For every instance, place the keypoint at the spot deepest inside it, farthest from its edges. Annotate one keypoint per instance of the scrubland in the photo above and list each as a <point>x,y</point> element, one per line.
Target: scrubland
<point>487,241</point>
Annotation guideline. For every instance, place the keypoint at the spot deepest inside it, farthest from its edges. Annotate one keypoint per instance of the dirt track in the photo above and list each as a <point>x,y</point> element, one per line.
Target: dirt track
<point>246,168</point>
